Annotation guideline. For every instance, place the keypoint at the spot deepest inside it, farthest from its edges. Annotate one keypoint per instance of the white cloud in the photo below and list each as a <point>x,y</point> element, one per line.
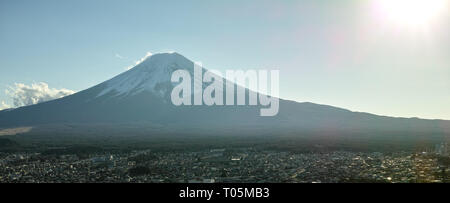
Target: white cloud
<point>119,56</point>
<point>4,105</point>
<point>148,54</point>
<point>23,95</point>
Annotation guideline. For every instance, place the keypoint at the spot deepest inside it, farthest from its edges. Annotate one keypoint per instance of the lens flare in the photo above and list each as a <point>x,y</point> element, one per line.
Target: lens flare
<point>411,12</point>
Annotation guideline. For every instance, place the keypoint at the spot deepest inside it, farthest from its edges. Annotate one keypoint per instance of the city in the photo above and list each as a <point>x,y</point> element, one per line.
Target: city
<point>236,165</point>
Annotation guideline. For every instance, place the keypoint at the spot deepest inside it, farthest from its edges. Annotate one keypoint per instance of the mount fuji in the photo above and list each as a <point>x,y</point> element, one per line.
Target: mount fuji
<point>137,102</point>
<point>141,94</point>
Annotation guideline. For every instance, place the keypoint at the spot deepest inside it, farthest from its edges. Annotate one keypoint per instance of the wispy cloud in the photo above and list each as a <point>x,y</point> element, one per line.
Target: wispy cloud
<point>148,54</point>
<point>23,95</point>
<point>119,56</point>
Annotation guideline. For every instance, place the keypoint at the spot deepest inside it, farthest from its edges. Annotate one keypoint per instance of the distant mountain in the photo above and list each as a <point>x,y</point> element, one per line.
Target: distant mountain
<point>138,100</point>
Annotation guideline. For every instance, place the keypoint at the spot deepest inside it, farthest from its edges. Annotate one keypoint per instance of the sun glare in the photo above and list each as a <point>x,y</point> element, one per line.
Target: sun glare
<point>411,12</point>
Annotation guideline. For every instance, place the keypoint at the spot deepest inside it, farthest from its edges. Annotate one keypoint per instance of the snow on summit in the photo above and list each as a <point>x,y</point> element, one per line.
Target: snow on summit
<point>152,74</point>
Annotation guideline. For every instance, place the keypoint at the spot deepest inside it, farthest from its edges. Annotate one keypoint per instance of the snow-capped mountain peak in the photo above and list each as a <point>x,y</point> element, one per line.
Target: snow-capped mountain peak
<point>152,74</point>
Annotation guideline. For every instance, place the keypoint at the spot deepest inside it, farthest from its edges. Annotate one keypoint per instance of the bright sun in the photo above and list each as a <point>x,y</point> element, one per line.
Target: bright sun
<point>411,12</point>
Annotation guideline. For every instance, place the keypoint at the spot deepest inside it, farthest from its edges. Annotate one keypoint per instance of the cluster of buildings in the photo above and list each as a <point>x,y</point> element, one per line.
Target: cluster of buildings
<point>226,165</point>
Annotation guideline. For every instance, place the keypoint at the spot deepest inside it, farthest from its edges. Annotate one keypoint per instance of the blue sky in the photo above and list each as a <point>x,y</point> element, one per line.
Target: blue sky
<point>340,53</point>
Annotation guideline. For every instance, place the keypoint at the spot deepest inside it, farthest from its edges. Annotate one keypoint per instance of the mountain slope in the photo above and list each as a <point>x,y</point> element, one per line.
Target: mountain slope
<point>140,98</point>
